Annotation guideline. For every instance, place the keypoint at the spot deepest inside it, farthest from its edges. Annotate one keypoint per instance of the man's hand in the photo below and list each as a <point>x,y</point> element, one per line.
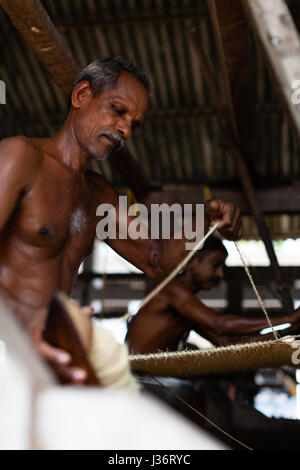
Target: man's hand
<point>32,320</point>
<point>229,215</point>
<point>61,360</point>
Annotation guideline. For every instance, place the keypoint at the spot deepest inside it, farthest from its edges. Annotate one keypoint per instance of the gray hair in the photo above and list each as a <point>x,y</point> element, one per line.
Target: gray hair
<point>103,73</point>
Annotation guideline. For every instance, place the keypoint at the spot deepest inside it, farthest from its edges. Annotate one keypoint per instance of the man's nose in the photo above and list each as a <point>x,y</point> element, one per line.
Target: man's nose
<point>125,130</point>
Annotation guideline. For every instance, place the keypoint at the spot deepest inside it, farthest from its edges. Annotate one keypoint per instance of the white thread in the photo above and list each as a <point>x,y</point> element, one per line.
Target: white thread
<point>110,361</point>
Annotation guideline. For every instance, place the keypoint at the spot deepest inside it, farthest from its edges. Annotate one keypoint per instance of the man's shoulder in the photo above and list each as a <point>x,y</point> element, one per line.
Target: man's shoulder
<point>176,283</point>
<point>21,150</point>
<point>177,288</point>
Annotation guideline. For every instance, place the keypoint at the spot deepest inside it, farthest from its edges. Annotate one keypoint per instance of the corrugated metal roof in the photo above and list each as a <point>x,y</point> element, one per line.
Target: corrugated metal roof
<point>181,142</point>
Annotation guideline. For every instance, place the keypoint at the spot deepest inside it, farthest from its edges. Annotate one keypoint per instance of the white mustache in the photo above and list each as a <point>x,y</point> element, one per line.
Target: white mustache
<point>116,137</point>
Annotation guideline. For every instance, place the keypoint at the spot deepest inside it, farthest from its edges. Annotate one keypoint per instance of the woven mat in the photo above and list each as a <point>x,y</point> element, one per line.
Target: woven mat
<point>221,360</point>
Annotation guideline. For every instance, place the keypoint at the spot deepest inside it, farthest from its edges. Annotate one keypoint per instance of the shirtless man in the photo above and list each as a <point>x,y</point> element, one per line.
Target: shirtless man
<point>165,322</point>
<point>48,199</point>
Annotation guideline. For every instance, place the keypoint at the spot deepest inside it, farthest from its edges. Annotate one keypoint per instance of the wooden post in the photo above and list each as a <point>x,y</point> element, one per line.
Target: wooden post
<point>274,27</point>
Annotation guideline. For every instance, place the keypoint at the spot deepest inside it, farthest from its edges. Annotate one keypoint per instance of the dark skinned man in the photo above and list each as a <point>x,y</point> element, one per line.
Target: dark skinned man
<point>49,198</point>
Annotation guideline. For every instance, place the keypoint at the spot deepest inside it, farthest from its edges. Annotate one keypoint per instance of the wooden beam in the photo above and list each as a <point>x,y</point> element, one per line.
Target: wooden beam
<point>283,199</point>
<point>154,115</point>
<point>275,29</point>
<point>33,22</point>
<point>109,22</point>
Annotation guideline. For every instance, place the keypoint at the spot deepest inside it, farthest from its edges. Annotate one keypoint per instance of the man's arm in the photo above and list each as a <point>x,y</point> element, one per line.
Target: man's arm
<point>20,162</point>
<point>158,257</point>
<point>59,359</point>
<point>220,324</point>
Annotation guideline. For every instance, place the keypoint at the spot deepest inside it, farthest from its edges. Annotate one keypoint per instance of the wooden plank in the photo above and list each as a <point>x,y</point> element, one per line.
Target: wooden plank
<point>274,27</point>
<point>114,21</point>
<point>34,24</point>
<point>155,115</point>
<point>283,199</point>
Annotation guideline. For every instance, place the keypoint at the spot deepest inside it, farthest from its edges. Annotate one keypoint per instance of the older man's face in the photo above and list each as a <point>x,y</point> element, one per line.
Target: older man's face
<point>105,122</point>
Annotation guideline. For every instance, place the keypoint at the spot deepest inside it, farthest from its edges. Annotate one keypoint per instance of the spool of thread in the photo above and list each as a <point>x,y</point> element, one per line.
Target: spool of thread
<point>109,360</point>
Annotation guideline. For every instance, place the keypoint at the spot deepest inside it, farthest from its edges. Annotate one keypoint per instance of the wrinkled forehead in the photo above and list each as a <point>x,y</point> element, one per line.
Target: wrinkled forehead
<point>130,92</point>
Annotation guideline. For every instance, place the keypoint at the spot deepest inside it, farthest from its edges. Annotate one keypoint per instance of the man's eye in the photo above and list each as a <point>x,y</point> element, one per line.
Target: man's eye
<point>117,110</point>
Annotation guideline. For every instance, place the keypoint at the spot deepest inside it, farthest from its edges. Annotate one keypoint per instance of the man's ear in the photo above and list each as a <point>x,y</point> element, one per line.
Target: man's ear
<point>193,261</point>
<point>81,94</point>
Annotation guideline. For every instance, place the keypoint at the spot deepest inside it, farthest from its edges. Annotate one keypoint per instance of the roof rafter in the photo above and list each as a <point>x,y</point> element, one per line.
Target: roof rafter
<point>232,35</point>
<point>34,24</point>
<point>276,199</point>
<point>274,26</point>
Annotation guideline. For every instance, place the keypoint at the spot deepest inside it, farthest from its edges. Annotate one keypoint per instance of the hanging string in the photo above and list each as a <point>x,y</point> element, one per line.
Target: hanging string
<point>256,292</point>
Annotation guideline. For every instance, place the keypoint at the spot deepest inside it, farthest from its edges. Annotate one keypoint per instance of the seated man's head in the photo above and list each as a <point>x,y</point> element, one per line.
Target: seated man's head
<point>206,269</point>
<point>108,100</point>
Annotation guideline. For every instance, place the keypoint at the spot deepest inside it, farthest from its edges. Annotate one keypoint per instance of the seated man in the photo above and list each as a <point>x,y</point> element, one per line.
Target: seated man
<point>165,322</point>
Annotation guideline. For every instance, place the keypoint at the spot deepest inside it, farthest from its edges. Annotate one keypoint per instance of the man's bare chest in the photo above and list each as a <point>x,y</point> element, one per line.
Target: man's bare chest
<point>57,210</point>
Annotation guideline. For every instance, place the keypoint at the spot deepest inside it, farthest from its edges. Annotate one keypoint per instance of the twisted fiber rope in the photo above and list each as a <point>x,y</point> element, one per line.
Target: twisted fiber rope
<point>248,356</point>
<point>241,357</point>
